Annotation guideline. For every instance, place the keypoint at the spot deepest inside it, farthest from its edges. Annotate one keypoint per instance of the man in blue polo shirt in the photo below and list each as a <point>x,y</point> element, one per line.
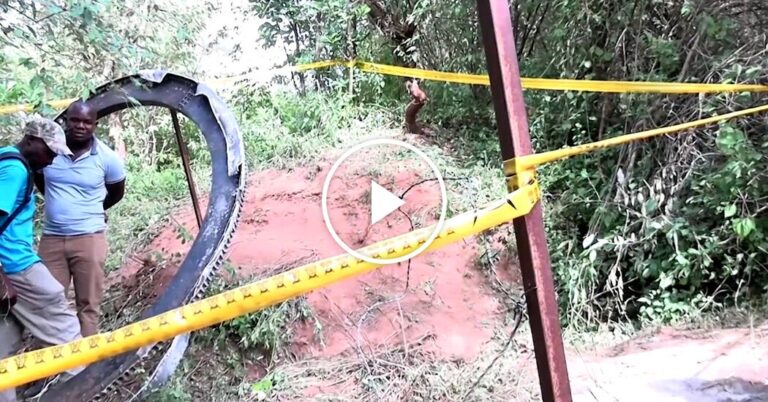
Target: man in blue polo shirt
<point>41,305</point>
<point>78,190</point>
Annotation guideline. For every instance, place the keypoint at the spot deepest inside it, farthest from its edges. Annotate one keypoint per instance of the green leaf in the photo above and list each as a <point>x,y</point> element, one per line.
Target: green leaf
<point>650,206</point>
<point>743,226</point>
<point>263,385</point>
<point>729,138</point>
<point>182,34</point>
<point>665,280</point>
<point>753,71</point>
<point>730,211</point>
<point>687,8</point>
<point>27,62</point>
<point>77,10</point>
<point>85,93</point>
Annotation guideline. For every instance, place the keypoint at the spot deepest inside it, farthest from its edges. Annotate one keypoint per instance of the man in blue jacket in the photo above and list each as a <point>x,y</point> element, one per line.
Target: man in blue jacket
<point>41,306</point>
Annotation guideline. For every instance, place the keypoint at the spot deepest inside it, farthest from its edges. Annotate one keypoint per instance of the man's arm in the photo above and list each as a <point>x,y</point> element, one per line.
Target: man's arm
<point>13,178</point>
<point>115,193</point>
<point>40,182</point>
<point>114,179</point>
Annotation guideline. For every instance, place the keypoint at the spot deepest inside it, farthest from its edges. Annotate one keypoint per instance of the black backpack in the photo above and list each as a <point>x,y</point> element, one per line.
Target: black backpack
<point>7,291</point>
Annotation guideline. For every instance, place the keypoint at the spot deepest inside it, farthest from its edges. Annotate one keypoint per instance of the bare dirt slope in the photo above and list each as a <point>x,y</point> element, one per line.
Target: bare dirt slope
<point>675,365</point>
<point>448,313</point>
<point>282,226</point>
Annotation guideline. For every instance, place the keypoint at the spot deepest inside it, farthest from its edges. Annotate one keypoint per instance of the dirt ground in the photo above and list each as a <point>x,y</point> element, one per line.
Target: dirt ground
<point>448,305</point>
<point>675,365</point>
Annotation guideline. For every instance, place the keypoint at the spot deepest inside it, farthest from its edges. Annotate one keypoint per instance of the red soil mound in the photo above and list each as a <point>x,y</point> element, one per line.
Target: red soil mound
<point>282,227</point>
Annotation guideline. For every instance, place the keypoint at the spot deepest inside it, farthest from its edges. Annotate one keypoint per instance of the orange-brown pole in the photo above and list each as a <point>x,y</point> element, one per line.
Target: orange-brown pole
<point>508,102</point>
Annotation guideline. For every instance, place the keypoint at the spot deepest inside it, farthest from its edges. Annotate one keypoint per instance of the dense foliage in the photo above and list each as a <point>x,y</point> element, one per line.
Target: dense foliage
<point>54,49</point>
<point>653,230</point>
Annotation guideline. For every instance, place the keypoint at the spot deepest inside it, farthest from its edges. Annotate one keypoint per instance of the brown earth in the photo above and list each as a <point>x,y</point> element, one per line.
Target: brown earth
<point>282,227</point>
<point>448,305</point>
<point>676,365</point>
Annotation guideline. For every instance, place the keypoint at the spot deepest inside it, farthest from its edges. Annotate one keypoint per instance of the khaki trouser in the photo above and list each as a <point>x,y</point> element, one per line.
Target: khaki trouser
<point>42,309</point>
<point>79,260</point>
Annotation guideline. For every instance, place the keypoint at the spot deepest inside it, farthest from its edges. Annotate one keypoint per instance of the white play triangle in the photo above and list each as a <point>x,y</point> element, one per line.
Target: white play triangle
<point>383,202</point>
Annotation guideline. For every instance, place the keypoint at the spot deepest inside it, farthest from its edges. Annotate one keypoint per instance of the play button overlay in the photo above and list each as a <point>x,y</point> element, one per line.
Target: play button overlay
<point>379,189</point>
<point>383,202</point>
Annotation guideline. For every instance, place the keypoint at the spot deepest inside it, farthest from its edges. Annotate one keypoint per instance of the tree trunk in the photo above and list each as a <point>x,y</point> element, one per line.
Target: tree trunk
<point>418,99</point>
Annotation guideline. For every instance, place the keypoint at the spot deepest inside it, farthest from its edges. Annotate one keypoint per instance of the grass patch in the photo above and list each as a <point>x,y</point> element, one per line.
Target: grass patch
<point>281,130</point>
<point>392,374</point>
<point>203,376</point>
<point>268,332</point>
<point>151,196</point>
<point>224,360</point>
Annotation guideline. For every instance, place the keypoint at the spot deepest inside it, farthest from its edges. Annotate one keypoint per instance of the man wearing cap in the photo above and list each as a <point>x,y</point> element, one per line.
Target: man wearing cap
<point>41,305</point>
<point>78,190</point>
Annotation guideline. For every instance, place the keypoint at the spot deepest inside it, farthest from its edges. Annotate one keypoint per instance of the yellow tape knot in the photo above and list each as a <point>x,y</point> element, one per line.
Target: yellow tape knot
<point>518,175</point>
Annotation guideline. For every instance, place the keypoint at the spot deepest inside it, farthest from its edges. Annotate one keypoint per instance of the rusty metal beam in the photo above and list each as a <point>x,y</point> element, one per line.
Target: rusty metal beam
<point>187,169</point>
<point>509,105</point>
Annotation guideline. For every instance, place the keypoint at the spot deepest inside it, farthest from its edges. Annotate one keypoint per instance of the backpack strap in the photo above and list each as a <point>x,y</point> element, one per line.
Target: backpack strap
<point>27,195</point>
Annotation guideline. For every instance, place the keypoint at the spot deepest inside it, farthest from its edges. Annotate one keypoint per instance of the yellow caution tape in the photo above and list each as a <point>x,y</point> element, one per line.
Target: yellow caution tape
<point>565,84</point>
<point>28,107</point>
<point>458,78</point>
<point>551,84</point>
<point>542,83</point>
<point>30,366</point>
<point>622,87</point>
<point>528,162</point>
<point>325,64</point>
